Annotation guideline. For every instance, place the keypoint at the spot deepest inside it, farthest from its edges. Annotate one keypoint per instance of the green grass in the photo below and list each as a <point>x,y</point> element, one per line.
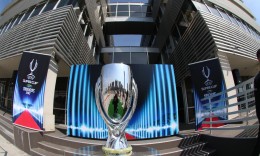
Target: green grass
<point>120,110</point>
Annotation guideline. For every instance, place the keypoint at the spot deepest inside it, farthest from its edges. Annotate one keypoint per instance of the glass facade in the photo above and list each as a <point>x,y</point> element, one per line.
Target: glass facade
<point>50,5</point>
<point>129,10</point>
<point>130,57</point>
<point>230,17</point>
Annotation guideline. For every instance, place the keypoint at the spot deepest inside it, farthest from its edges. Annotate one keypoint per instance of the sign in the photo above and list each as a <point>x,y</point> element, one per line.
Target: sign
<point>207,80</point>
<point>156,113</point>
<point>29,90</point>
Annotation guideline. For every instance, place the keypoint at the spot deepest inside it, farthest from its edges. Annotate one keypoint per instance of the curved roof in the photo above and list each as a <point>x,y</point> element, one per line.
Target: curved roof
<point>238,9</point>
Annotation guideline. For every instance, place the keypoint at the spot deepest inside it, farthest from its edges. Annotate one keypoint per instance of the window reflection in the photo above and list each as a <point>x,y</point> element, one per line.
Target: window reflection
<point>50,5</point>
<point>224,15</point>
<point>123,57</point>
<point>214,11</point>
<point>37,10</point>
<point>27,14</point>
<point>62,3</point>
<point>9,24</point>
<point>139,58</point>
<point>18,20</point>
<point>142,10</point>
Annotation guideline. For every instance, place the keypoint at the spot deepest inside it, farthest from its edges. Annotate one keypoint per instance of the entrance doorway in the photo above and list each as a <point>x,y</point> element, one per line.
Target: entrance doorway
<point>188,100</point>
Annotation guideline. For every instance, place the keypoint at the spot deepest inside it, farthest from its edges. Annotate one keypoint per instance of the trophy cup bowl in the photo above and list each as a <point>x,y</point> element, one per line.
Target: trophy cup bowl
<point>116,97</point>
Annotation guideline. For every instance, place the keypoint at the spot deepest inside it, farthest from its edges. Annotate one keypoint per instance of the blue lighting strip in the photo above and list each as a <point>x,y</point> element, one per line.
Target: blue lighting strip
<point>157,116</point>
<point>84,119</point>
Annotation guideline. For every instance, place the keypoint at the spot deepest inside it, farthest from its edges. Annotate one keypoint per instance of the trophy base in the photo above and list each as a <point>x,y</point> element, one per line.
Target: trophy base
<point>113,152</point>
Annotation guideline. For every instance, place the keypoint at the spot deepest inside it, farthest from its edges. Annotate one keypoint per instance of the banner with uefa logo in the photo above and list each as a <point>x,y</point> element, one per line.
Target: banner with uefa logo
<point>29,90</point>
<point>207,80</point>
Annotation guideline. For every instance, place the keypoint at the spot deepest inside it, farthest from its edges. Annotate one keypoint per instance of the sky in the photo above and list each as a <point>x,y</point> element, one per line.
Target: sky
<point>254,6</point>
<point>3,4</point>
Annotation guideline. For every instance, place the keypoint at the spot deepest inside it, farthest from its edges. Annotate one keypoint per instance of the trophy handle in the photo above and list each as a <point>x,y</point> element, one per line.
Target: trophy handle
<point>97,95</point>
<point>135,97</point>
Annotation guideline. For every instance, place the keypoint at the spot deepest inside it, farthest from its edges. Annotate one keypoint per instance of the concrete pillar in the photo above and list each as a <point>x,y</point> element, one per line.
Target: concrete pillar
<point>229,81</point>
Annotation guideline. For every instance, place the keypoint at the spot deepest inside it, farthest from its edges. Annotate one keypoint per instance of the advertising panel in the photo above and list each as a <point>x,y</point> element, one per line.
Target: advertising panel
<point>29,90</point>
<point>207,80</point>
<point>156,113</point>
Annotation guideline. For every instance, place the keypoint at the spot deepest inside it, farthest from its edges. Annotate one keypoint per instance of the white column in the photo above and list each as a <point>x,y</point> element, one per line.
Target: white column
<point>48,117</point>
<point>229,82</point>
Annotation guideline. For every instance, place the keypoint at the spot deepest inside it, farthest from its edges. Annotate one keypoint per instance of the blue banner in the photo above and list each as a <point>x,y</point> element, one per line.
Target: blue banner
<point>29,90</point>
<point>207,80</point>
<point>156,113</point>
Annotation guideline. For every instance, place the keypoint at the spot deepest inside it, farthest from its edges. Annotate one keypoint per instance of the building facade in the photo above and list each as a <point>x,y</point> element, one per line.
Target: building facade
<point>171,32</point>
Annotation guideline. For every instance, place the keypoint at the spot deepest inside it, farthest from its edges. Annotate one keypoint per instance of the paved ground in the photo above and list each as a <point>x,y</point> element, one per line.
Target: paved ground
<point>9,149</point>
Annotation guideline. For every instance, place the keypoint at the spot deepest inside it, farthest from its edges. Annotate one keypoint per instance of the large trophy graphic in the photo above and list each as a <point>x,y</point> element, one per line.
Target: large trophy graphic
<point>116,97</point>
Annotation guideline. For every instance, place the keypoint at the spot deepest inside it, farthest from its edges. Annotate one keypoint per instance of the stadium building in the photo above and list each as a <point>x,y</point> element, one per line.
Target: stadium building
<point>177,32</point>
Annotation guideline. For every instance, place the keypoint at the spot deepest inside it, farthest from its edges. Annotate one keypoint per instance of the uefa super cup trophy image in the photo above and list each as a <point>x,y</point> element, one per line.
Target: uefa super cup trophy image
<point>116,97</point>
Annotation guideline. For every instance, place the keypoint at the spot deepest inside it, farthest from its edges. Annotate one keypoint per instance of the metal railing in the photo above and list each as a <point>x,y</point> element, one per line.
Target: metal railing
<point>243,102</point>
<point>129,10</point>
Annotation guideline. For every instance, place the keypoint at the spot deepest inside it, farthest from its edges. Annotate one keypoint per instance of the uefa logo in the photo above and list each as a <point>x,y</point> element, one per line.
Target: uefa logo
<point>206,74</point>
<point>32,69</point>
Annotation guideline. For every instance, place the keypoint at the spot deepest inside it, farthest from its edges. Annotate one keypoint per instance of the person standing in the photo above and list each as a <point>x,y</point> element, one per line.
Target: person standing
<point>256,151</point>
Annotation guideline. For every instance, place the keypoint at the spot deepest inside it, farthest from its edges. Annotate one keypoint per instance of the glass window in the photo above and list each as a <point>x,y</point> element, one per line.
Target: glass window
<point>111,10</point>
<point>18,19</point>
<point>9,25</point>
<point>72,2</point>
<point>50,5</point>
<point>3,29</point>
<point>214,11</point>
<point>135,8</point>
<point>201,6</point>
<point>255,33</point>
<point>246,27</point>
<point>146,8</point>
<point>122,57</point>
<point>223,14</point>
<point>62,3</point>
<point>122,10</point>
<point>136,11</point>
<point>240,23</point>
<point>250,29</point>
<point>136,14</point>
<point>37,10</point>
<point>138,58</point>
<point>233,20</point>
<point>27,14</point>
<point>111,14</point>
<point>127,40</point>
<point>122,13</point>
